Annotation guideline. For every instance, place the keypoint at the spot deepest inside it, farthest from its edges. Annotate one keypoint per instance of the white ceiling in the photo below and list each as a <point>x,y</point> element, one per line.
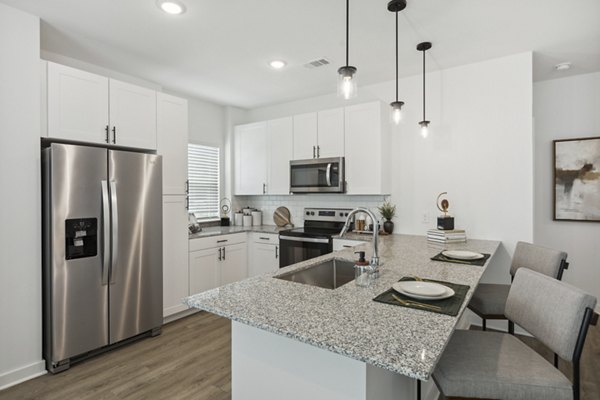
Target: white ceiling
<point>219,50</point>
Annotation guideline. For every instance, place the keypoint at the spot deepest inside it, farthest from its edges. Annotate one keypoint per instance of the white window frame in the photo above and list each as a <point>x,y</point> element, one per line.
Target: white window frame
<point>215,172</point>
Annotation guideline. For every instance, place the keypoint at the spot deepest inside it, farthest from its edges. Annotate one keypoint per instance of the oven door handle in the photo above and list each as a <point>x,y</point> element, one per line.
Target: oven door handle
<point>328,174</point>
<point>303,239</point>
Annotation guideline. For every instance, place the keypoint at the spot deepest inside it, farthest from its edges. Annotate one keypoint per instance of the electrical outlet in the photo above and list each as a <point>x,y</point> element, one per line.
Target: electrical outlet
<point>425,219</point>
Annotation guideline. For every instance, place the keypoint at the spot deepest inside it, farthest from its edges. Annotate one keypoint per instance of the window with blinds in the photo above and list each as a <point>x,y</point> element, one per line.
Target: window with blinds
<point>203,175</point>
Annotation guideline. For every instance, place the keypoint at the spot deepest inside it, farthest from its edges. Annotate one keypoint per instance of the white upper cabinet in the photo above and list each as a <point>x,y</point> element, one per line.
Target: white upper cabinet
<point>132,115</point>
<point>251,159</point>
<point>172,142</point>
<point>280,141</point>
<point>86,107</point>
<point>330,133</point>
<point>367,138</point>
<point>319,134</point>
<point>305,136</point>
<point>77,105</point>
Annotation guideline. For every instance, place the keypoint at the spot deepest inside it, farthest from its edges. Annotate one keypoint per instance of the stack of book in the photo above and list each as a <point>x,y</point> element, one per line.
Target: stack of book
<point>450,236</point>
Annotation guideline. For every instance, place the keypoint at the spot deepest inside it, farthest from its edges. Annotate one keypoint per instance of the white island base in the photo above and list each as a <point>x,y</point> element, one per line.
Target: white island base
<point>267,366</point>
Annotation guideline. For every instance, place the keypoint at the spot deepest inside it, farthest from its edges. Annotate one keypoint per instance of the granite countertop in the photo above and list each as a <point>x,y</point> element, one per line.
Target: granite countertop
<point>228,230</point>
<point>346,321</point>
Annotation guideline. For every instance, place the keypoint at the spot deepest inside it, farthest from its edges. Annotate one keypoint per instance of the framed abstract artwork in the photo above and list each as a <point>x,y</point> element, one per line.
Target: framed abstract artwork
<point>577,179</point>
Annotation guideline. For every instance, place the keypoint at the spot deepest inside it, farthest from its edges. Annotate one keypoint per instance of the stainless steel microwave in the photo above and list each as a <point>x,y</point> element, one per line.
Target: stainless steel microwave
<point>318,175</point>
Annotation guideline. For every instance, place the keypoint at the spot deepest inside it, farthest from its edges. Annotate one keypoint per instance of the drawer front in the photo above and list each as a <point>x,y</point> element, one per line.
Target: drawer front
<point>341,244</point>
<point>265,238</point>
<point>217,241</point>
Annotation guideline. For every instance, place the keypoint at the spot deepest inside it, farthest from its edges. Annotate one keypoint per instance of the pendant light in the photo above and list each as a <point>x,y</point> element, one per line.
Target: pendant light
<point>424,123</point>
<point>396,6</point>
<point>347,80</point>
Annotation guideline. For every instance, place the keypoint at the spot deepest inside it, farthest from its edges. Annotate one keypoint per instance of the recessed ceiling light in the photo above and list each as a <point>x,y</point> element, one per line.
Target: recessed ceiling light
<point>563,66</point>
<point>277,64</point>
<point>172,7</point>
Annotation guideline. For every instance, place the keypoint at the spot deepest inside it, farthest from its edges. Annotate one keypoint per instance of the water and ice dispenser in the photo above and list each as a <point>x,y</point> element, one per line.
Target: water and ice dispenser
<point>81,236</point>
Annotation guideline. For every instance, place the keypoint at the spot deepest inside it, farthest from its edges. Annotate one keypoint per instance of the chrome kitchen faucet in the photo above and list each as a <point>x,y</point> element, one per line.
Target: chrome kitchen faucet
<point>375,258</point>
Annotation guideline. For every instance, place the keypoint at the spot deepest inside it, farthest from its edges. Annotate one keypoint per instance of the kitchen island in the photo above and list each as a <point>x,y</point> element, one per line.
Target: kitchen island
<point>297,341</point>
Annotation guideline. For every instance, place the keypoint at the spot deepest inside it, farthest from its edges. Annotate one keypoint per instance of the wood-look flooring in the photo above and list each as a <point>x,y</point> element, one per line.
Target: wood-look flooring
<point>191,360</point>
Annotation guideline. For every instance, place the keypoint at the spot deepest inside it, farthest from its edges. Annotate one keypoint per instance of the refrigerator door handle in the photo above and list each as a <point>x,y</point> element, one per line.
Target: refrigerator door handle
<point>115,229</point>
<point>106,231</point>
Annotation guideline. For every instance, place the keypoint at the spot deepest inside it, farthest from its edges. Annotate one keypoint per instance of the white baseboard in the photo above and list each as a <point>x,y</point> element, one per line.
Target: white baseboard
<point>180,315</point>
<point>22,374</point>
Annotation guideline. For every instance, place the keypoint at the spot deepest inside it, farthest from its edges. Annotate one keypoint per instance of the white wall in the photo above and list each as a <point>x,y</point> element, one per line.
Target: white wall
<point>20,209</point>
<point>566,108</point>
<point>480,150</point>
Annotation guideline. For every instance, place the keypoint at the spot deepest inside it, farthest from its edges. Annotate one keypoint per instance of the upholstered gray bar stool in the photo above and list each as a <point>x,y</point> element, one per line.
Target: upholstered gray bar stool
<point>495,365</point>
<point>489,299</point>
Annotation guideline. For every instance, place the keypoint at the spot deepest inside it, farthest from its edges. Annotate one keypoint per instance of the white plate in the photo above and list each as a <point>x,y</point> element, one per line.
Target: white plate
<point>462,255</point>
<point>420,288</point>
<point>448,292</point>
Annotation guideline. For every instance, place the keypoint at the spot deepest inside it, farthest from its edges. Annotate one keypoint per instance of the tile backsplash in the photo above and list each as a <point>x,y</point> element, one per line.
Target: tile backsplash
<point>297,203</point>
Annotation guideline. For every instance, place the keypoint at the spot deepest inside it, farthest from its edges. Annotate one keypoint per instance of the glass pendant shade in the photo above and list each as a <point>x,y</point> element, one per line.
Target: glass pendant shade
<point>347,87</point>
<point>424,128</point>
<point>396,112</point>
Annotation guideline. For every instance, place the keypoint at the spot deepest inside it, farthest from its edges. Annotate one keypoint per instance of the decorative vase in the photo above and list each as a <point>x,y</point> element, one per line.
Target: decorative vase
<point>388,226</point>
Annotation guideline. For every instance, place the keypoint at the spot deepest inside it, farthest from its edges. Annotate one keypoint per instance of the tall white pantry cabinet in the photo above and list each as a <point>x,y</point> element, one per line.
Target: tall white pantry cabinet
<point>172,140</point>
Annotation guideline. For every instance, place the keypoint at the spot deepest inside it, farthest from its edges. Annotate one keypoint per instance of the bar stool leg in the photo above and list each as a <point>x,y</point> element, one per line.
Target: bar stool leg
<point>418,389</point>
<point>555,360</point>
<point>511,327</point>
<point>483,324</point>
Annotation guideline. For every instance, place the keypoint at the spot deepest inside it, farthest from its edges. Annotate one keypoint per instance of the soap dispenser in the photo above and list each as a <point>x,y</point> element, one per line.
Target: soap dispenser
<point>362,270</point>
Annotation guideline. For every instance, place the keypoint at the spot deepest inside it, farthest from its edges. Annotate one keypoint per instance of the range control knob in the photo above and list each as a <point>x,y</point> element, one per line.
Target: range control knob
<point>308,213</point>
<point>312,213</point>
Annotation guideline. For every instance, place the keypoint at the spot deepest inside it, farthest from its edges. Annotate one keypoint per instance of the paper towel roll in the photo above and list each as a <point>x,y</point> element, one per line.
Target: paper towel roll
<point>256,218</point>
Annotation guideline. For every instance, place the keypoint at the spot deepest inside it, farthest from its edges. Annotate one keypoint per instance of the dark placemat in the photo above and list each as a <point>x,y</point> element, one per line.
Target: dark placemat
<point>449,306</point>
<point>479,263</point>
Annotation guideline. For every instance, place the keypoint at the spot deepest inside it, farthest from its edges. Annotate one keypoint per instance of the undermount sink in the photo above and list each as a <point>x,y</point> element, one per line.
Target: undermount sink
<point>329,274</point>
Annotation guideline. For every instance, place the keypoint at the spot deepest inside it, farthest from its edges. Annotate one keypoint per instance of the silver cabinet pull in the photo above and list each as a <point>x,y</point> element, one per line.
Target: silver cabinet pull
<point>115,229</point>
<point>264,188</point>
<point>107,129</point>
<point>314,152</point>
<point>220,254</point>
<point>222,241</point>
<point>276,251</point>
<point>106,231</point>
<point>318,151</point>
<point>264,238</point>
<point>223,253</point>
<point>114,130</point>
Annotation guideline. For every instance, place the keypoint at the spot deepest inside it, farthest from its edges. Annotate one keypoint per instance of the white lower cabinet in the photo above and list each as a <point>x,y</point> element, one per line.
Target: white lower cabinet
<point>217,266</point>
<point>175,254</point>
<point>264,254</point>
<point>233,266</point>
<point>204,270</point>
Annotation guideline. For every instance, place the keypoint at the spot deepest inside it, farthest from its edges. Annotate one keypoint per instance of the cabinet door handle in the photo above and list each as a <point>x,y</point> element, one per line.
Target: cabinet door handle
<point>220,255</point>
<point>318,151</point>
<point>222,241</point>
<point>347,246</point>
<point>114,130</point>
<point>223,253</point>
<point>314,152</point>
<point>107,129</point>
<point>187,202</point>
<point>264,238</point>
<point>276,251</point>
<point>187,186</point>
<point>264,188</point>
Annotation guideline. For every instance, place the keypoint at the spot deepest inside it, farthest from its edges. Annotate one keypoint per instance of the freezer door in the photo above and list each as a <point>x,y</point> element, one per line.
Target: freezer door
<point>75,296</point>
<point>135,288</point>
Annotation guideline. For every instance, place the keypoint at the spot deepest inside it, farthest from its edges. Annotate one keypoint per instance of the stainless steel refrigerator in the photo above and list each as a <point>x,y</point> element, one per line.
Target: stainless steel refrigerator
<point>102,249</point>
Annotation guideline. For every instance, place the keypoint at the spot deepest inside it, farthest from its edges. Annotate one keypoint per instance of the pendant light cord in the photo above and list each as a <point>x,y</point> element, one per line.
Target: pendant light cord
<point>396,56</point>
<point>423,85</point>
<point>347,31</point>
